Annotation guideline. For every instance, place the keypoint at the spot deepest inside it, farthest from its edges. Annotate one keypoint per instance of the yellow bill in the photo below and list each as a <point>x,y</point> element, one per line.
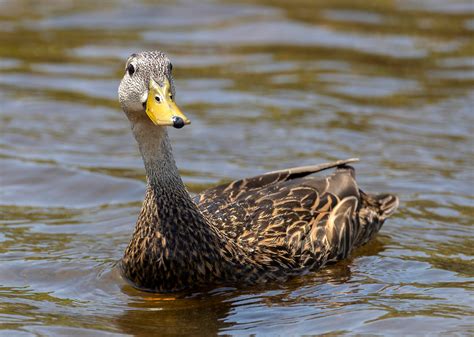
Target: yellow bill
<point>161,108</point>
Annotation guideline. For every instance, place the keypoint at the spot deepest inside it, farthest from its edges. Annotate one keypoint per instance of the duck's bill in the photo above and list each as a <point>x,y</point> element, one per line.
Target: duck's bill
<point>161,108</point>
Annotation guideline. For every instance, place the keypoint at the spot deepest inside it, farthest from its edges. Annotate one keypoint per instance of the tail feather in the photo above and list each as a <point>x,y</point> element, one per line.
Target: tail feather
<point>372,214</point>
<point>387,204</point>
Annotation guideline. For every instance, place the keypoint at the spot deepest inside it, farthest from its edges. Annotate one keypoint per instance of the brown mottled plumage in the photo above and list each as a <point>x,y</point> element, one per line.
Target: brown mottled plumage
<point>258,229</point>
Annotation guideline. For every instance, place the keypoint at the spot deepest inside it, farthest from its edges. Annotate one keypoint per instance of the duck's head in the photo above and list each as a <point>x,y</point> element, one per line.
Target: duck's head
<point>147,90</point>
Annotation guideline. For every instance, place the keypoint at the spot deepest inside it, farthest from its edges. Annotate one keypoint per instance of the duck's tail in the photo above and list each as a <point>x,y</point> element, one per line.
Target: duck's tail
<point>373,212</point>
<point>386,204</point>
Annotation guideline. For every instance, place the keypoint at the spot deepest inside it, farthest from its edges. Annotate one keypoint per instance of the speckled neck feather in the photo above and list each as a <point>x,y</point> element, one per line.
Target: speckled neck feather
<point>155,148</point>
<point>165,189</point>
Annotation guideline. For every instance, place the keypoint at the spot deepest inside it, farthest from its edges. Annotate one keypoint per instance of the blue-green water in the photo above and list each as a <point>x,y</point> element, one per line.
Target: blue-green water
<point>268,85</point>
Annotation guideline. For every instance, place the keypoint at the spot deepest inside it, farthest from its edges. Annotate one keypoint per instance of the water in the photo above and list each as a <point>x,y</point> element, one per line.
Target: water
<point>268,85</point>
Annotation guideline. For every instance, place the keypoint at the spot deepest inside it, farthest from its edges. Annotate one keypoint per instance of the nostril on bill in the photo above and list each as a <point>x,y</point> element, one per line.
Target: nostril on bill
<point>178,122</point>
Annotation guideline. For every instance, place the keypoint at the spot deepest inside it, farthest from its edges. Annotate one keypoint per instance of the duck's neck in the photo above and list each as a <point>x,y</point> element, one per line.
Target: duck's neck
<point>166,195</point>
<point>155,148</point>
<point>173,246</point>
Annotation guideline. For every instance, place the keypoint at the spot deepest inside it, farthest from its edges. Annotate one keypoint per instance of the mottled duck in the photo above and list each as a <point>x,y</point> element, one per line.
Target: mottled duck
<point>260,229</point>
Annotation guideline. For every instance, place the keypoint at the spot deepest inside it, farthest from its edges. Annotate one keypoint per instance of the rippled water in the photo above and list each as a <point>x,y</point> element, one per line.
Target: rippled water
<point>267,86</point>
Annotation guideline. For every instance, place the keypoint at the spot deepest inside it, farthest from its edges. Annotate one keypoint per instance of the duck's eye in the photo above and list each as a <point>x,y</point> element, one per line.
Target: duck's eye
<point>131,69</point>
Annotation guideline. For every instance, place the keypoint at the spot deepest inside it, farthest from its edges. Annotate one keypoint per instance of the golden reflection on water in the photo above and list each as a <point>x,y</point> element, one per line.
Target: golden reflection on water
<point>291,83</point>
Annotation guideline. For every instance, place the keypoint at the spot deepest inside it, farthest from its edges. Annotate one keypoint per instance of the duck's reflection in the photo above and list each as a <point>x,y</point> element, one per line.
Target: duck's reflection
<point>183,314</point>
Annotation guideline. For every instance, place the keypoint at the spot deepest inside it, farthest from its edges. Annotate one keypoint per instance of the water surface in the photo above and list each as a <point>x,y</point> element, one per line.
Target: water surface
<point>268,85</point>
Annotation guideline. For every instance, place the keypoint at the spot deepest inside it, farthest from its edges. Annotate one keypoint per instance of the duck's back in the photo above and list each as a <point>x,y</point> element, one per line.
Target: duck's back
<point>302,217</point>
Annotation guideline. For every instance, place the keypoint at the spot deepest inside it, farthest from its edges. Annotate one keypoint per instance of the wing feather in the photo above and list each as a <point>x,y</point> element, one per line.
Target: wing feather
<point>295,218</point>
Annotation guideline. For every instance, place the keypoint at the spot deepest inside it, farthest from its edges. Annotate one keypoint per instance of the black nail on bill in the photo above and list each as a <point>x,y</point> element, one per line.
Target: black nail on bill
<point>178,122</point>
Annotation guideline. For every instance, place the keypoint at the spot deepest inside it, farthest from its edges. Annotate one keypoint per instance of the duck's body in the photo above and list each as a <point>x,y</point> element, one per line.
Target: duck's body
<point>258,229</point>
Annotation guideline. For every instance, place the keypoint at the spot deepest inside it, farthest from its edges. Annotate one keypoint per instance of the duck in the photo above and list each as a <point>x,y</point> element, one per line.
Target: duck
<point>265,228</point>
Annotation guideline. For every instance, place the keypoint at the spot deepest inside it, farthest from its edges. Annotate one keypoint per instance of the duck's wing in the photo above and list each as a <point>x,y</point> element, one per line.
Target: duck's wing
<point>232,191</point>
<point>304,217</point>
